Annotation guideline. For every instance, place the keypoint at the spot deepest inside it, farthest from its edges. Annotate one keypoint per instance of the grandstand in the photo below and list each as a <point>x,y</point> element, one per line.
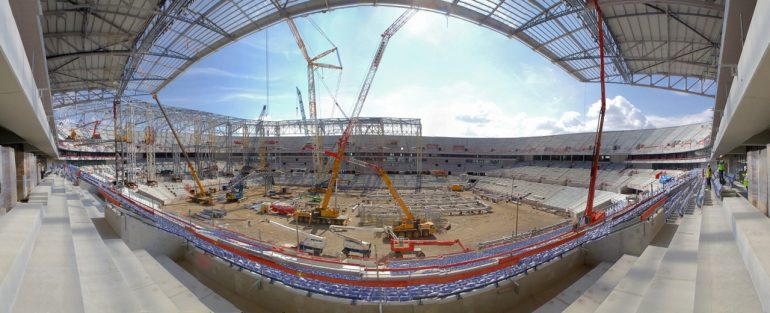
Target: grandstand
<point>102,211</point>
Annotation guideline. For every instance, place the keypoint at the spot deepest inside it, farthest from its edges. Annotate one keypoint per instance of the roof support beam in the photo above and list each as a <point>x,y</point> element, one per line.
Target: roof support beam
<point>693,3</point>
<point>119,53</point>
<point>688,26</point>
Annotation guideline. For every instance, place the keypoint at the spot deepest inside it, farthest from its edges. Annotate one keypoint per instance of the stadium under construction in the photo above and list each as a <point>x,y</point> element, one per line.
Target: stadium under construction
<point>113,199</point>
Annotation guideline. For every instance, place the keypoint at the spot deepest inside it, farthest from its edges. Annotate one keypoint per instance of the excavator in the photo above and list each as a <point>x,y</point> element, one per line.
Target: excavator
<point>325,214</point>
<point>201,195</point>
<point>410,227</point>
<point>237,184</point>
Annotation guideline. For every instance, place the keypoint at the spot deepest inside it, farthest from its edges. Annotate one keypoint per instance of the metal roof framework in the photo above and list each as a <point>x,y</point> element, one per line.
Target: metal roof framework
<point>103,50</point>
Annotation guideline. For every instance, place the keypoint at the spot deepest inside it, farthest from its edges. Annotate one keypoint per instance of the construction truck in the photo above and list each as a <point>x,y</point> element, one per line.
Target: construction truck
<point>456,187</point>
<point>312,244</point>
<point>354,245</point>
<point>400,247</point>
<point>351,244</point>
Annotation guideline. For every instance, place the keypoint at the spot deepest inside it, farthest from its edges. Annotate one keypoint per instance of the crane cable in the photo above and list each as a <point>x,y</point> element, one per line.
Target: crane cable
<point>267,68</point>
<point>334,95</point>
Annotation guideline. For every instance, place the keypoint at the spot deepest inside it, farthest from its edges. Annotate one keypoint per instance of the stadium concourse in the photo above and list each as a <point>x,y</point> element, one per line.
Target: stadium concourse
<point>96,175</point>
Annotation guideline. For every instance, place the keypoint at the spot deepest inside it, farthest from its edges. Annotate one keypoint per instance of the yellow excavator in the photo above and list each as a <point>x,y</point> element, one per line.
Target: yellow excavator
<point>410,227</point>
<point>201,195</point>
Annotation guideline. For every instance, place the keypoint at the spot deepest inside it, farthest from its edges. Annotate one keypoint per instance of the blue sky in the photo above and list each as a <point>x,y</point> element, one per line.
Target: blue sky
<point>459,78</point>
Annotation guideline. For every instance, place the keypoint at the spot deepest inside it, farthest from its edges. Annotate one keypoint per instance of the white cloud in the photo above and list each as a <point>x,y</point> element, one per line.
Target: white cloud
<point>663,121</point>
<point>620,114</point>
<point>455,110</point>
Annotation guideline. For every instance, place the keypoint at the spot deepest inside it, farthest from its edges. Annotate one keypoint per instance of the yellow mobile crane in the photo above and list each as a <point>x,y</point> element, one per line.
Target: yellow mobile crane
<point>324,214</point>
<point>202,196</point>
<point>410,227</point>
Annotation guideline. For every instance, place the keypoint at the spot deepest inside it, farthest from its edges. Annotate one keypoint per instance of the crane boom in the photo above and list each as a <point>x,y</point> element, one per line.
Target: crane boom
<point>408,216</point>
<point>311,66</point>
<point>367,84</point>
<point>298,38</point>
<point>202,191</point>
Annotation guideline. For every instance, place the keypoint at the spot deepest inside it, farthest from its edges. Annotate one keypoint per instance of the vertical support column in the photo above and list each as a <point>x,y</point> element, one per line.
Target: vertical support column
<point>131,146</point>
<point>119,137</point>
<point>149,143</point>
<point>419,147</point>
<point>245,143</point>
<point>177,161</point>
<point>228,148</point>
<point>197,130</point>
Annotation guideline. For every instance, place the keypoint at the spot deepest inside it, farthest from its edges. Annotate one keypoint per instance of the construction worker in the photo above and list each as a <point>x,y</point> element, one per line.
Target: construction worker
<point>746,179</point>
<point>708,176</point>
<point>721,171</point>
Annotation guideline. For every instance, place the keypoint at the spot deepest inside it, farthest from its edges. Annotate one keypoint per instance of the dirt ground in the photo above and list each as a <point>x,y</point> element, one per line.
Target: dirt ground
<point>469,229</point>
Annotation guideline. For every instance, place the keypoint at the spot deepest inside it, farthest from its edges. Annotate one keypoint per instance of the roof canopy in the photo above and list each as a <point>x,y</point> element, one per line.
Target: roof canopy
<point>99,50</point>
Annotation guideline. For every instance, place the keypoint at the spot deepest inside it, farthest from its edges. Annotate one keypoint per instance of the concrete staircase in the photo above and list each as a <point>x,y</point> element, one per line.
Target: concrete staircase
<point>56,258</point>
<point>701,269</point>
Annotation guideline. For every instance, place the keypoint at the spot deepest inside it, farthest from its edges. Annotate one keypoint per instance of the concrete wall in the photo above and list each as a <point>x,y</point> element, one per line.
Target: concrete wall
<point>632,240</point>
<point>22,112</point>
<point>758,163</point>
<point>27,173</point>
<point>139,235</point>
<point>8,194</point>
<point>253,293</point>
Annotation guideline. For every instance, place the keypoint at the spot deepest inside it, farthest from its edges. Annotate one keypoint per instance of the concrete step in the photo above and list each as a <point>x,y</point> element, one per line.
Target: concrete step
<point>627,294</point>
<point>102,285</point>
<point>53,260</point>
<point>574,291</point>
<point>140,282</point>
<point>723,283</point>
<point>183,298</point>
<point>39,195</point>
<point>210,298</point>
<point>19,229</point>
<point>596,293</point>
<point>751,230</point>
<point>94,207</point>
<point>673,287</point>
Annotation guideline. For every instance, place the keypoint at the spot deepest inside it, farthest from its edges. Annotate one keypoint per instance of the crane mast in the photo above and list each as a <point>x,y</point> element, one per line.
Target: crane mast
<point>367,84</point>
<point>261,142</point>
<point>311,66</point>
<point>302,112</point>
